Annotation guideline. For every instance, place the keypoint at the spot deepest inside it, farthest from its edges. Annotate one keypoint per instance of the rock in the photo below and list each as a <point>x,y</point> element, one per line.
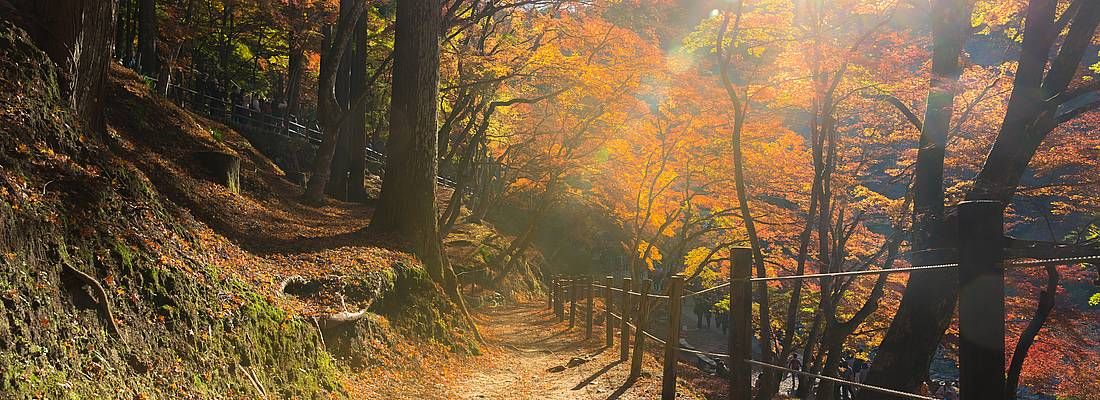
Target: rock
<point>225,168</point>
<point>556,369</point>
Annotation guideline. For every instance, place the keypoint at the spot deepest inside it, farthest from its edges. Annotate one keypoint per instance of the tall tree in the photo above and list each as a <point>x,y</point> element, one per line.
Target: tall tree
<point>906,352</point>
<point>1037,94</point>
<point>147,38</point>
<point>330,113</point>
<point>407,203</point>
<point>357,122</point>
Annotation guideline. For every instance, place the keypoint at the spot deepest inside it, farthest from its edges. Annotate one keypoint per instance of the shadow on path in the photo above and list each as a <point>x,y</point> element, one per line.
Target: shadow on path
<point>593,377</point>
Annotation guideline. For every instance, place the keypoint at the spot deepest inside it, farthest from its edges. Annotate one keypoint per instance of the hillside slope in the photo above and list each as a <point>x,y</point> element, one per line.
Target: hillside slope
<point>129,271</point>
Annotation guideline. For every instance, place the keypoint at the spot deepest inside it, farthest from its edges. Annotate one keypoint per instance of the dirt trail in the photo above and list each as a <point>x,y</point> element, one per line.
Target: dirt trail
<point>526,341</point>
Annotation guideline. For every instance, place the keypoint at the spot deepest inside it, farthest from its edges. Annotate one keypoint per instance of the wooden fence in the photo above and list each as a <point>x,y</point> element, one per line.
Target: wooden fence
<point>981,267</point>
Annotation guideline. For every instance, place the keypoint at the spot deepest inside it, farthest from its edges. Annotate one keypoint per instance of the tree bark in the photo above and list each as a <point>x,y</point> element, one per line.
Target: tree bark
<point>927,304</point>
<point>78,36</point>
<point>1032,109</point>
<point>329,112</point>
<point>338,181</point>
<point>357,122</point>
<point>147,38</point>
<point>407,203</point>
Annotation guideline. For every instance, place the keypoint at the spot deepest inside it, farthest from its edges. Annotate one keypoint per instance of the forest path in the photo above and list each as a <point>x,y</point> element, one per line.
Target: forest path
<point>523,342</point>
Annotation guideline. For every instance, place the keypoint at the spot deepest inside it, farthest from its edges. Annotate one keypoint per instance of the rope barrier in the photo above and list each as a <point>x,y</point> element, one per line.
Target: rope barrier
<point>1095,259</point>
<point>647,334</point>
<point>1053,261</point>
<point>1031,263</point>
<point>856,273</point>
<point>712,288</point>
<point>837,380</point>
<point>773,366</point>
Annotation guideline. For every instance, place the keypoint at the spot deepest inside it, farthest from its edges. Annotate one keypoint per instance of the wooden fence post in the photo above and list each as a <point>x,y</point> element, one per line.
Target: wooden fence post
<point>607,303</point>
<point>573,302</point>
<point>588,313</point>
<point>639,329</point>
<point>559,303</point>
<point>550,293</point>
<point>740,345</point>
<point>672,344</point>
<point>981,301</point>
<point>624,321</point>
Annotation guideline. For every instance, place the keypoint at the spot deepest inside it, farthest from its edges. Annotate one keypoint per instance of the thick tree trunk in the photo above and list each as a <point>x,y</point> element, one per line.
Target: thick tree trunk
<point>147,38</point>
<point>407,203</point>
<point>77,35</point>
<point>1032,109</point>
<point>927,304</point>
<point>338,181</point>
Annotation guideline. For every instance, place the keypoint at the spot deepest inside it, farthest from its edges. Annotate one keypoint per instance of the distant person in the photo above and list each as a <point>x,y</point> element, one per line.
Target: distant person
<point>951,391</point>
<point>862,368</point>
<point>923,389</point>
<point>795,364</point>
<point>848,373</point>
<point>698,309</point>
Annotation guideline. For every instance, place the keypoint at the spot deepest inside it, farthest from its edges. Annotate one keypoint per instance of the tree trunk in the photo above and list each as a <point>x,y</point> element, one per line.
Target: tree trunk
<point>407,203</point>
<point>122,18</point>
<point>78,36</point>
<point>329,112</point>
<point>509,257</point>
<point>147,38</point>
<point>357,125</point>
<point>927,304</point>
<point>1033,106</point>
<point>338,182</point>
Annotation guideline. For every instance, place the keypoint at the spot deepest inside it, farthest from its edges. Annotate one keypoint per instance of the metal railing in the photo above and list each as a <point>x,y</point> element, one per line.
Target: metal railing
<point>241,117</point>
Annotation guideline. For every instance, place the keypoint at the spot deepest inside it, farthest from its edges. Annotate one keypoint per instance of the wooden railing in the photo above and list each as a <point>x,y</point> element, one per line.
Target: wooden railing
<point>981,266</point>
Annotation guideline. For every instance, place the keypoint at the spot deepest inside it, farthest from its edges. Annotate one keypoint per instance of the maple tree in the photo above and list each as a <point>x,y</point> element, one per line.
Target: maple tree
<point>827,136</point>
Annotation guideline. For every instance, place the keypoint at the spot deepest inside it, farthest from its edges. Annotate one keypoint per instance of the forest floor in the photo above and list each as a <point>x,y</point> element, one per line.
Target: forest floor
<point>265,234</point>
<point>524,343</point>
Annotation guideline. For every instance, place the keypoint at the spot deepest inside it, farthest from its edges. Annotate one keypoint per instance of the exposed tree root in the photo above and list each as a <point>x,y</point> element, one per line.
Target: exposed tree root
<point>255,382</point>
<point>104,303</point>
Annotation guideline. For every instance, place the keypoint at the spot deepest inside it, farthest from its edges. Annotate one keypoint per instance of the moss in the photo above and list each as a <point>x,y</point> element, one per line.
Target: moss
<point>183,334</point>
